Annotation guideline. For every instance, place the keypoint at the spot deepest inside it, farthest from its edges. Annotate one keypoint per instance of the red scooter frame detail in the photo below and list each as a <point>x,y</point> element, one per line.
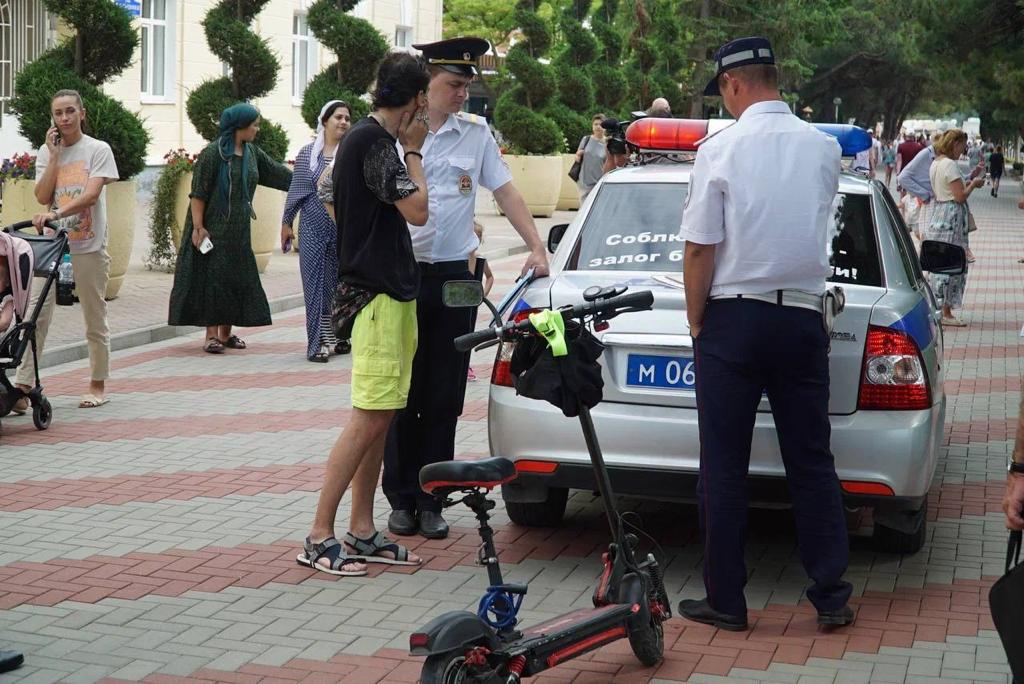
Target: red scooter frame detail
<point>579,647</point>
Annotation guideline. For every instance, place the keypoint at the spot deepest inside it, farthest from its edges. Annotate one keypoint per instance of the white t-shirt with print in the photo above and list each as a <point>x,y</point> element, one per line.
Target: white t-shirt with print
<point>88,158</point>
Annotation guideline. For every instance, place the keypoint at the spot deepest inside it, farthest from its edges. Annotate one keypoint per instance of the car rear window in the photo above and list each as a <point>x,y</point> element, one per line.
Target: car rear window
<point>635,227</point>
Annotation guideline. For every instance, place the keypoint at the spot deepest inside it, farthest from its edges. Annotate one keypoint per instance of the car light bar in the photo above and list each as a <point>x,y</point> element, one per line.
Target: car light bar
<point>685,135</point>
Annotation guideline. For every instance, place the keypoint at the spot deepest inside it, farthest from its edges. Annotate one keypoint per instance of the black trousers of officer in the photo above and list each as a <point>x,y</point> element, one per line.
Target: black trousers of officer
<point>746,347</point>
<point>424,432</point>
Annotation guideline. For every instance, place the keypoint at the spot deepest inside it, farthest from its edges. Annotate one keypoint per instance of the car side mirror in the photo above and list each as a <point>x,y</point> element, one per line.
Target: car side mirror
<point>555,236</point>
<point>943,258</point>
<point>458,294</point>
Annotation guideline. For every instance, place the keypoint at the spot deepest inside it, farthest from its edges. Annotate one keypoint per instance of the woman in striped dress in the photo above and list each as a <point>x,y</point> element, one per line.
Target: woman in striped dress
<point>318,257</point>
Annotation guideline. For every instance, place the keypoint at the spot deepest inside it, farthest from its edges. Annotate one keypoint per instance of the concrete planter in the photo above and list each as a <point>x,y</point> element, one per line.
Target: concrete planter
<point>569,197</point>
<point>538,180</point>
<point>265,232</point>
<point>121,201</point>
<point>19,202</point>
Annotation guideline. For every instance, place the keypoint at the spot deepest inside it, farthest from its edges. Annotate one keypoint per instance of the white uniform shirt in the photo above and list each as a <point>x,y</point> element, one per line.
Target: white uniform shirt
<point>459,156</point>
<point>762,190</point>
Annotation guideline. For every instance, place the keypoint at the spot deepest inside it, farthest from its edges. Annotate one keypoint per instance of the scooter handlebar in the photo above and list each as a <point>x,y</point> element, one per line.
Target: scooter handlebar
<point>605,309</point>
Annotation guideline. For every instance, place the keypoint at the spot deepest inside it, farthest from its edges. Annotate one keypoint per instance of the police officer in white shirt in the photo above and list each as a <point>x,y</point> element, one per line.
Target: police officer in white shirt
<point>459,155</point>
<point>754,267</point>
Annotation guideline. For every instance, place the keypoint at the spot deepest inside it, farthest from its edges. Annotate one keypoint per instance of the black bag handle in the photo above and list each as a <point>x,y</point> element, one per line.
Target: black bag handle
<point>1013,547</point>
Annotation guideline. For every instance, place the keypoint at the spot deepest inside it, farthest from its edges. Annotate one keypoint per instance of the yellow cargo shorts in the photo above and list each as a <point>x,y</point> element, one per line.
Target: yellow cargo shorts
<point>384,338</point>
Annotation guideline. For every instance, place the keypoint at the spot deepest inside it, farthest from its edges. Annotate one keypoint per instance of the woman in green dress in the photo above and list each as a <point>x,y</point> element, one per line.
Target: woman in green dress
<point>220,287</point>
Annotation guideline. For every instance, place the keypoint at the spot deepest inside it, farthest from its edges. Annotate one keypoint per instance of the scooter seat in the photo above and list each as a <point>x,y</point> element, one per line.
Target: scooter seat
<point>441,479</point>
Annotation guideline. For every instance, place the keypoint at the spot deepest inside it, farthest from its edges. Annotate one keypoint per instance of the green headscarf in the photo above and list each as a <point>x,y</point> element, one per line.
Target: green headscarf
<point>236,117</point>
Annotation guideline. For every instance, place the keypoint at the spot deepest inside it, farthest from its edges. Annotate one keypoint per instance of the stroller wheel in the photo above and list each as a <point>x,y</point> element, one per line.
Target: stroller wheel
<point>42,413</point>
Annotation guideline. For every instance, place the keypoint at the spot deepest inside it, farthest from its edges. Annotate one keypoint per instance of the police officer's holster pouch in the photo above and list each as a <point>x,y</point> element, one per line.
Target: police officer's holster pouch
<point>1006,601</point>
<point>566,381</point>
<point>832,304</point>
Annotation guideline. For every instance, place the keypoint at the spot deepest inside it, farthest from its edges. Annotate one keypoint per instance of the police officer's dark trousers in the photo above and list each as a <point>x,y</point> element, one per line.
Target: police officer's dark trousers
<point>424,432</point>
<point>744,348</point>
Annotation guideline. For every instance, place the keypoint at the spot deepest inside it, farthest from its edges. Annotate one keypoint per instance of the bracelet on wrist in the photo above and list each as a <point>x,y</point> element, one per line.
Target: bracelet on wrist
<point>414,152</point>
<point>1015,467</point>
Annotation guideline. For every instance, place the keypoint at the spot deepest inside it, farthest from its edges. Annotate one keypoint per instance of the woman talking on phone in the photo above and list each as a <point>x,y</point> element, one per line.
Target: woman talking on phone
<point>72,169</point>
<point>318,259</point>
<point>216,281</point>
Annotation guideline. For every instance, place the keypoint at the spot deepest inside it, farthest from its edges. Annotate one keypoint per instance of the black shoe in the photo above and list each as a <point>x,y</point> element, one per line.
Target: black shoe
<point>403,523</point>
<point>837,618</point>
<point>432,525</point>
<point>701,611</point>
<point>343,347</point>
<point>10,660</point>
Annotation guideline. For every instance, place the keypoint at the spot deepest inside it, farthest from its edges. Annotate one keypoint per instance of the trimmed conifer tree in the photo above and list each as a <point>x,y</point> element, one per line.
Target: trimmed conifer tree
<point>574,106</point>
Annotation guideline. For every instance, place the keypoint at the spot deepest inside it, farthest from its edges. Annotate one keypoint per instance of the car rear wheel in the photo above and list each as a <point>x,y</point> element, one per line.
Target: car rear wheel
<point>902,531</point>
<point>546,513</point>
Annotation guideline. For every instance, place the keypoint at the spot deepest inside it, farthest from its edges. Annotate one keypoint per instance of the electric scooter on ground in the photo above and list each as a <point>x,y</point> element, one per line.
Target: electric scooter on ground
<point>630,600</point>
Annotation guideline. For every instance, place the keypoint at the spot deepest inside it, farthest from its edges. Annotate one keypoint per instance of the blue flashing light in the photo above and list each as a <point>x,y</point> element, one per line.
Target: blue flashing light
<point>852,139</point>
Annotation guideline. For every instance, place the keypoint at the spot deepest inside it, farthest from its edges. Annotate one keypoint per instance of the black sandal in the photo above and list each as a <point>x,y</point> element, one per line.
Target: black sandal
<point>334,552</point>
<point>214,346</point>
<point>320,357</point>
<point>234,342</point>
<point>368,550</point>
<point>343,347</point>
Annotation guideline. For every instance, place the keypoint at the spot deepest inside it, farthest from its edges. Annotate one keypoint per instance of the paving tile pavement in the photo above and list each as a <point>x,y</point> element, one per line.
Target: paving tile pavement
<point>153,539</point>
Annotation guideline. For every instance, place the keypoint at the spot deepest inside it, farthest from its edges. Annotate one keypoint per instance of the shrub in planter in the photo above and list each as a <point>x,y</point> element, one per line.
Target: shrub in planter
<point>253,73</point>
<point>518,111</point>
<point>359,47</point>
<point>100,47</point>
<point>162,219</point>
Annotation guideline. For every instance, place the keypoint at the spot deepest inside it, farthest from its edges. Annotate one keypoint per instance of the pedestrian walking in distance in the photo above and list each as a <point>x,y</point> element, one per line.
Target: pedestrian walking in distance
<point>459,155</point>
<point>376,196</point>
<point>754,268</point>
<point>996,162</point>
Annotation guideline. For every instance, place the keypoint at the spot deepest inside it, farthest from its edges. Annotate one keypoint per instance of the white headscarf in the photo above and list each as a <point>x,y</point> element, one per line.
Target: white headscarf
<point>318,143</point>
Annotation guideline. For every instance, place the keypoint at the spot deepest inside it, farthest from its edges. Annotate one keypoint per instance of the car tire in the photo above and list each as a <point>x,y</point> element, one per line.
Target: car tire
<point>907,540</point>
<point>546,513</point>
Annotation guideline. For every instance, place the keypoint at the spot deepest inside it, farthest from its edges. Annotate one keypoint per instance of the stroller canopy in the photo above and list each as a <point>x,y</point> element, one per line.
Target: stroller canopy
<point>20,259</point>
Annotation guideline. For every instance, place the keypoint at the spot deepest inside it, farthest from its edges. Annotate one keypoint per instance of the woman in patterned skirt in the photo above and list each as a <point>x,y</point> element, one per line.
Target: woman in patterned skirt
<point>318,257</point>
<point>949,218</point>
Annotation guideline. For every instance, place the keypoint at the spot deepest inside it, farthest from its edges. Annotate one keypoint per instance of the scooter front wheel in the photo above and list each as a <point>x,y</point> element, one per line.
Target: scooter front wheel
<point>452,668</point>
<point>648,642</point>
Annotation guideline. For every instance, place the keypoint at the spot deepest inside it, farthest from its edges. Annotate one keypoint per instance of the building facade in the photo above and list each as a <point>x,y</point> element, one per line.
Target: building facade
<point>25,31</point>
<point>173,58</point>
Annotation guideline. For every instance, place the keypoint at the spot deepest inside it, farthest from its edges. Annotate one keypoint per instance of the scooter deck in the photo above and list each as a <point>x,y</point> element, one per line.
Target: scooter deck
<point>565,637</point>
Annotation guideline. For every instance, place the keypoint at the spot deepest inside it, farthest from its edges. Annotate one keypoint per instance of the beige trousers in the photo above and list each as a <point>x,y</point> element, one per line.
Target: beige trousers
<point>92,271</point>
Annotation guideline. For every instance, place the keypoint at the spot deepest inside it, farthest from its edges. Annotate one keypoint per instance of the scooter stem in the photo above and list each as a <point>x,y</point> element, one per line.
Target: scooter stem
<point>604,483</point>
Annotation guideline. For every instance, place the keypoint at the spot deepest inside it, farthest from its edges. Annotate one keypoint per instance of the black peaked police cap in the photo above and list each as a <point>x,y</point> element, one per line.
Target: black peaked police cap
<point>737,53</point>
<point>457,55</point>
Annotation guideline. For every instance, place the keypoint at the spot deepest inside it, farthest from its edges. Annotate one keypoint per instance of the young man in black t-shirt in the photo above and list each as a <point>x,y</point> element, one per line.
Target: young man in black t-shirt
<point>375,197</point>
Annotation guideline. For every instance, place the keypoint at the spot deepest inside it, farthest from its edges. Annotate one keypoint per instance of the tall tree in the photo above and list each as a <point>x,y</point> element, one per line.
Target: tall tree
<point>610,85</point>
<point>574,103</point>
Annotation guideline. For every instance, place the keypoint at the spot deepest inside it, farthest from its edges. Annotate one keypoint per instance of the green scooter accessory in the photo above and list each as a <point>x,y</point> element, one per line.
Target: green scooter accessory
<point>551,325</point>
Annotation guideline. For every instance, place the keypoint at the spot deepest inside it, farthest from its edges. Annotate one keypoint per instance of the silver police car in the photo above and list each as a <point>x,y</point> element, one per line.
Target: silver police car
<point>887,403</point>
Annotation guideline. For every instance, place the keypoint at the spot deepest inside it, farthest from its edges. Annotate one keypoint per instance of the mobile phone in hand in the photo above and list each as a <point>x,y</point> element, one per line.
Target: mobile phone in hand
<point>56,138</point>
<point>205,246</point>
<point>287,247</point>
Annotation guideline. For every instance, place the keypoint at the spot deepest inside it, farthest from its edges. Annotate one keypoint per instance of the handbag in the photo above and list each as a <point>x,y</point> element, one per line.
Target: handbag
<point>577,166</point>
<point>1006,601</point>
<point>349,300</point>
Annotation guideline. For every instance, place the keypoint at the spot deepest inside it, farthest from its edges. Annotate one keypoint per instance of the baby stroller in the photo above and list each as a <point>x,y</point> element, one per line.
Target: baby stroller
<point>27,255</point>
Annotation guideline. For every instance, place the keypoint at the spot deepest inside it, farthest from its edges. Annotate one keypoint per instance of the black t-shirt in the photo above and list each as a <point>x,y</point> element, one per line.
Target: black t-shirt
<point>374,247</point>
<point>995,164</point>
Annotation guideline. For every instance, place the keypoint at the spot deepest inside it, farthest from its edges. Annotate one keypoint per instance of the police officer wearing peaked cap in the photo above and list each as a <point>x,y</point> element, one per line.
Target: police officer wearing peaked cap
<point>459,155</point>
<point>755,270</point>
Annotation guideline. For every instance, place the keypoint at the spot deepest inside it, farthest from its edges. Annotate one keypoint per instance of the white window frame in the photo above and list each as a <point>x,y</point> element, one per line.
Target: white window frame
<point>312,56</point>
<point>405,44</point>
<point>148,24</point>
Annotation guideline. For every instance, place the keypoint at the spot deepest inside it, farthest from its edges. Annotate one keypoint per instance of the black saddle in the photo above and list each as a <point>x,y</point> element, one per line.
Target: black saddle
<point>441,479</point>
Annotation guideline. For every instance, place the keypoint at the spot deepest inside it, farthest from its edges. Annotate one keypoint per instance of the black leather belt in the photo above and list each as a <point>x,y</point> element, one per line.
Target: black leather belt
<point>444,268</point>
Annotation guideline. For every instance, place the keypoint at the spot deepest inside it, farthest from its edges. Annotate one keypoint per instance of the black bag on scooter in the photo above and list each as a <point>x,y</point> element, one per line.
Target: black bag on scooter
<point>565,381</point>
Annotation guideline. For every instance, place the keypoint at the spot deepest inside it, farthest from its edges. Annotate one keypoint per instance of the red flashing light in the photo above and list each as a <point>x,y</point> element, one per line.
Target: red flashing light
<point>893,377</point>
<point>876,488</point>
<point>668,135</point>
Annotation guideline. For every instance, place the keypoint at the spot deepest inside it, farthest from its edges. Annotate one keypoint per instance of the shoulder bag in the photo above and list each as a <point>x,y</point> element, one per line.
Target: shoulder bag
<point>577,166</point>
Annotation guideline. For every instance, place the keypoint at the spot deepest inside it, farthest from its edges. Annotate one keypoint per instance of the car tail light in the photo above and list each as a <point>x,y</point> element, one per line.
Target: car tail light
<point>893,377</point>
<point>502,373</point>
<point>875,488</point>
